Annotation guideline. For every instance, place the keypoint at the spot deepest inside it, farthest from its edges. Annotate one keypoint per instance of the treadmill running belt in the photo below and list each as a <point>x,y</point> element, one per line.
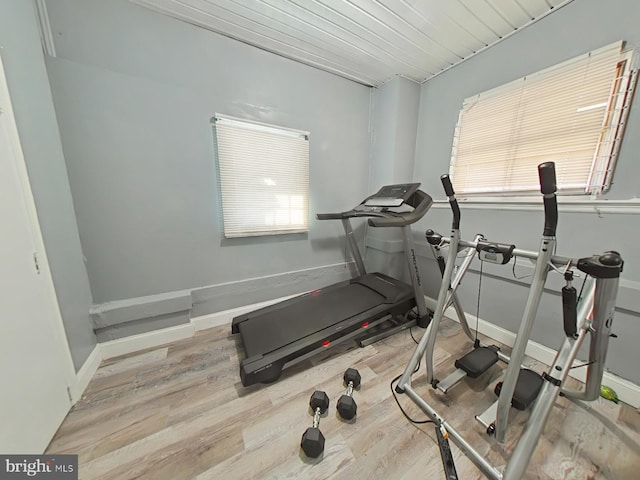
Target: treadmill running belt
<point>274,330</point>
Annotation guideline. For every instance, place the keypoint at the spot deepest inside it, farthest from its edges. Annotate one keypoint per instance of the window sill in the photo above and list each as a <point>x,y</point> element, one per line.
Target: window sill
<point>570,205</point>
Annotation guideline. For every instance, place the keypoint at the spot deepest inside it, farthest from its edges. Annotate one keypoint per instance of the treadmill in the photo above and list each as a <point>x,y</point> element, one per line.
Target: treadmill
<point>281,335</point>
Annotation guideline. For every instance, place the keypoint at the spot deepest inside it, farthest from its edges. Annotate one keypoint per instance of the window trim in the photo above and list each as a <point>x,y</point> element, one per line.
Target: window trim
<point>628,65</point>
<point>566,204</point>
<point>247,231</point>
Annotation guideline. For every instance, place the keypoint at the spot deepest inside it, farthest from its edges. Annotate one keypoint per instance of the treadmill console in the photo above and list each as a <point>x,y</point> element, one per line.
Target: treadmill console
<point>392,206</point>
<point>392,195</point>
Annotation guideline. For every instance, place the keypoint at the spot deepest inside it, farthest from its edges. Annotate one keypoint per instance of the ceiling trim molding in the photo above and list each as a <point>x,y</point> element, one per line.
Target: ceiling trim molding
<point>551,10</point>
<point>46,34</point>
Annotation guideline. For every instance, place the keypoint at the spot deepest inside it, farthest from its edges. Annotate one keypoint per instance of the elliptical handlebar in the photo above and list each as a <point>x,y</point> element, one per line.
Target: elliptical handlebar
<point>448,190</point>
<point>547,174</point>
<point>446,183</point>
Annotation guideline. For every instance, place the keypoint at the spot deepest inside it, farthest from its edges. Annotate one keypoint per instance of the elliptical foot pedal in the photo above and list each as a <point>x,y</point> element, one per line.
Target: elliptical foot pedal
<point>445,452</point>
<point>527,388</point>
<point>477,361</point>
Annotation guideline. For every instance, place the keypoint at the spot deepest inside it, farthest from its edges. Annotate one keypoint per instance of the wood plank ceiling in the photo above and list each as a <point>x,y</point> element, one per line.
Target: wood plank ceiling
<point>368,41</point>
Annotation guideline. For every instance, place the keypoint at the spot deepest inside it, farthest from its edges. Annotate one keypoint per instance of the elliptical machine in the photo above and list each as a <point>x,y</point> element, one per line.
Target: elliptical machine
<point>592,314</point>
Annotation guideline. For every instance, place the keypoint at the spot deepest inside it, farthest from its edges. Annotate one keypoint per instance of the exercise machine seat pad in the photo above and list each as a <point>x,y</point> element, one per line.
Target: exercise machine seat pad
<point>477,361</point>
<point>527,388</point>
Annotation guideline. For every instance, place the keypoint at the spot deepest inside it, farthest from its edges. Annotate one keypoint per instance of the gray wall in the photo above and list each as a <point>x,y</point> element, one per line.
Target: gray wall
<point>394,118</point>
<point>573,30</point>
<point>395,121</point>
<point>134,91</point>
<point>35,117</point>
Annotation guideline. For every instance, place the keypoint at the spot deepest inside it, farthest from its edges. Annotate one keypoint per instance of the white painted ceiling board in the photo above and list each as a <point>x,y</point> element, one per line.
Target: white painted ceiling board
<point>368,41</point>
<point>431,29</point>
<point>460,15</point>
<point>512,11</point>
<point>391,36</point>
<point>483,10</point>
<point>348,35</point>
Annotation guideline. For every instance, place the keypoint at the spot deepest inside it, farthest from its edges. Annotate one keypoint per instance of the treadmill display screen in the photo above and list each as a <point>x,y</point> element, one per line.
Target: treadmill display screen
<point>403,191</point>
<point>392,195</point>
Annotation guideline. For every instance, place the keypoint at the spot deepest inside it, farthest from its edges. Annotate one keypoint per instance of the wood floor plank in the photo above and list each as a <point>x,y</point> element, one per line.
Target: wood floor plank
<point>127,429</point>
<point>180,412</point>
<point>182,459</point>
<point>336,456</point>
<point>209,428</point>
<point>263,457</point>
<point>137,424</point>
<point>132,362</point>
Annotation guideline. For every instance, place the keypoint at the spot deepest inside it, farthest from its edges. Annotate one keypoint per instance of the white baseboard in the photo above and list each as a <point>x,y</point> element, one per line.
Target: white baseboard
<point>135,343</point>
<point>85,374</point>
<point>627,391</point>
<point>226,316</point>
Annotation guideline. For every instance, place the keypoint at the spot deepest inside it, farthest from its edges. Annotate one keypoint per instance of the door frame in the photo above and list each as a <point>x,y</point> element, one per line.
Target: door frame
<point>42,261</point>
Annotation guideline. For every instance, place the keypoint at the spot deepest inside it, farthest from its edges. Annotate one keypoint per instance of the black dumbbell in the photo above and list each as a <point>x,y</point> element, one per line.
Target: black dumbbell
<point>312,442</point>
<point>347,407</point>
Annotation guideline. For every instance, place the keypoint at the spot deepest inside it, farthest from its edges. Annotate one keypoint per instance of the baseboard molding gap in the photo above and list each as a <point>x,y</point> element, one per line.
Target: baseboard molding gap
<point>86,374</point>
<point>142,341</point>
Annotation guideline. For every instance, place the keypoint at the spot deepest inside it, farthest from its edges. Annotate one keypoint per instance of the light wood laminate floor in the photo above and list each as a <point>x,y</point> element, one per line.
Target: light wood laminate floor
<point>180,412</point>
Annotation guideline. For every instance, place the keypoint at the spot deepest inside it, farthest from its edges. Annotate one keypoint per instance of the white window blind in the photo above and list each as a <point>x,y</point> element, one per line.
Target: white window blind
<point>263,172</point>
<point>572,114</point>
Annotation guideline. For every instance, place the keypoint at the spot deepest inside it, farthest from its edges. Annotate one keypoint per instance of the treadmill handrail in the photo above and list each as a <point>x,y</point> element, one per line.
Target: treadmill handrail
<point>347,214</point>
<point>419,200</point>
<point>333,216</point>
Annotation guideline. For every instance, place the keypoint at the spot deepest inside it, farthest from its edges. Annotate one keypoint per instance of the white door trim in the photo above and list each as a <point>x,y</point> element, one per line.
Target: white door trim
<point>43,262</point>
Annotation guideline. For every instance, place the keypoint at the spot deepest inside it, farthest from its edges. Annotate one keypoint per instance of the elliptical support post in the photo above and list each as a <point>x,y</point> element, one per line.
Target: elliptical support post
<point>428,340</point>
<point>547,248</point>
<point>452,298</point>
<point>414,272</point>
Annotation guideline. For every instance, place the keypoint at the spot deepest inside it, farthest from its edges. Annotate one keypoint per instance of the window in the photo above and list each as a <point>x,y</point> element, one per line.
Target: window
<point>572,114</point>
<point>263,172</point>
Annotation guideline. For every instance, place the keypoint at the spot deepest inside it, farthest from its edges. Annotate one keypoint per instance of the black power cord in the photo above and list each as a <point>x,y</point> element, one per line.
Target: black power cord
<point>395,397</point>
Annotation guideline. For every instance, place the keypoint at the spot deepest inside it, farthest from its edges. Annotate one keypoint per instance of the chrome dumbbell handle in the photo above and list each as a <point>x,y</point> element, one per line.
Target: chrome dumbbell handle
<point>316,418</point>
